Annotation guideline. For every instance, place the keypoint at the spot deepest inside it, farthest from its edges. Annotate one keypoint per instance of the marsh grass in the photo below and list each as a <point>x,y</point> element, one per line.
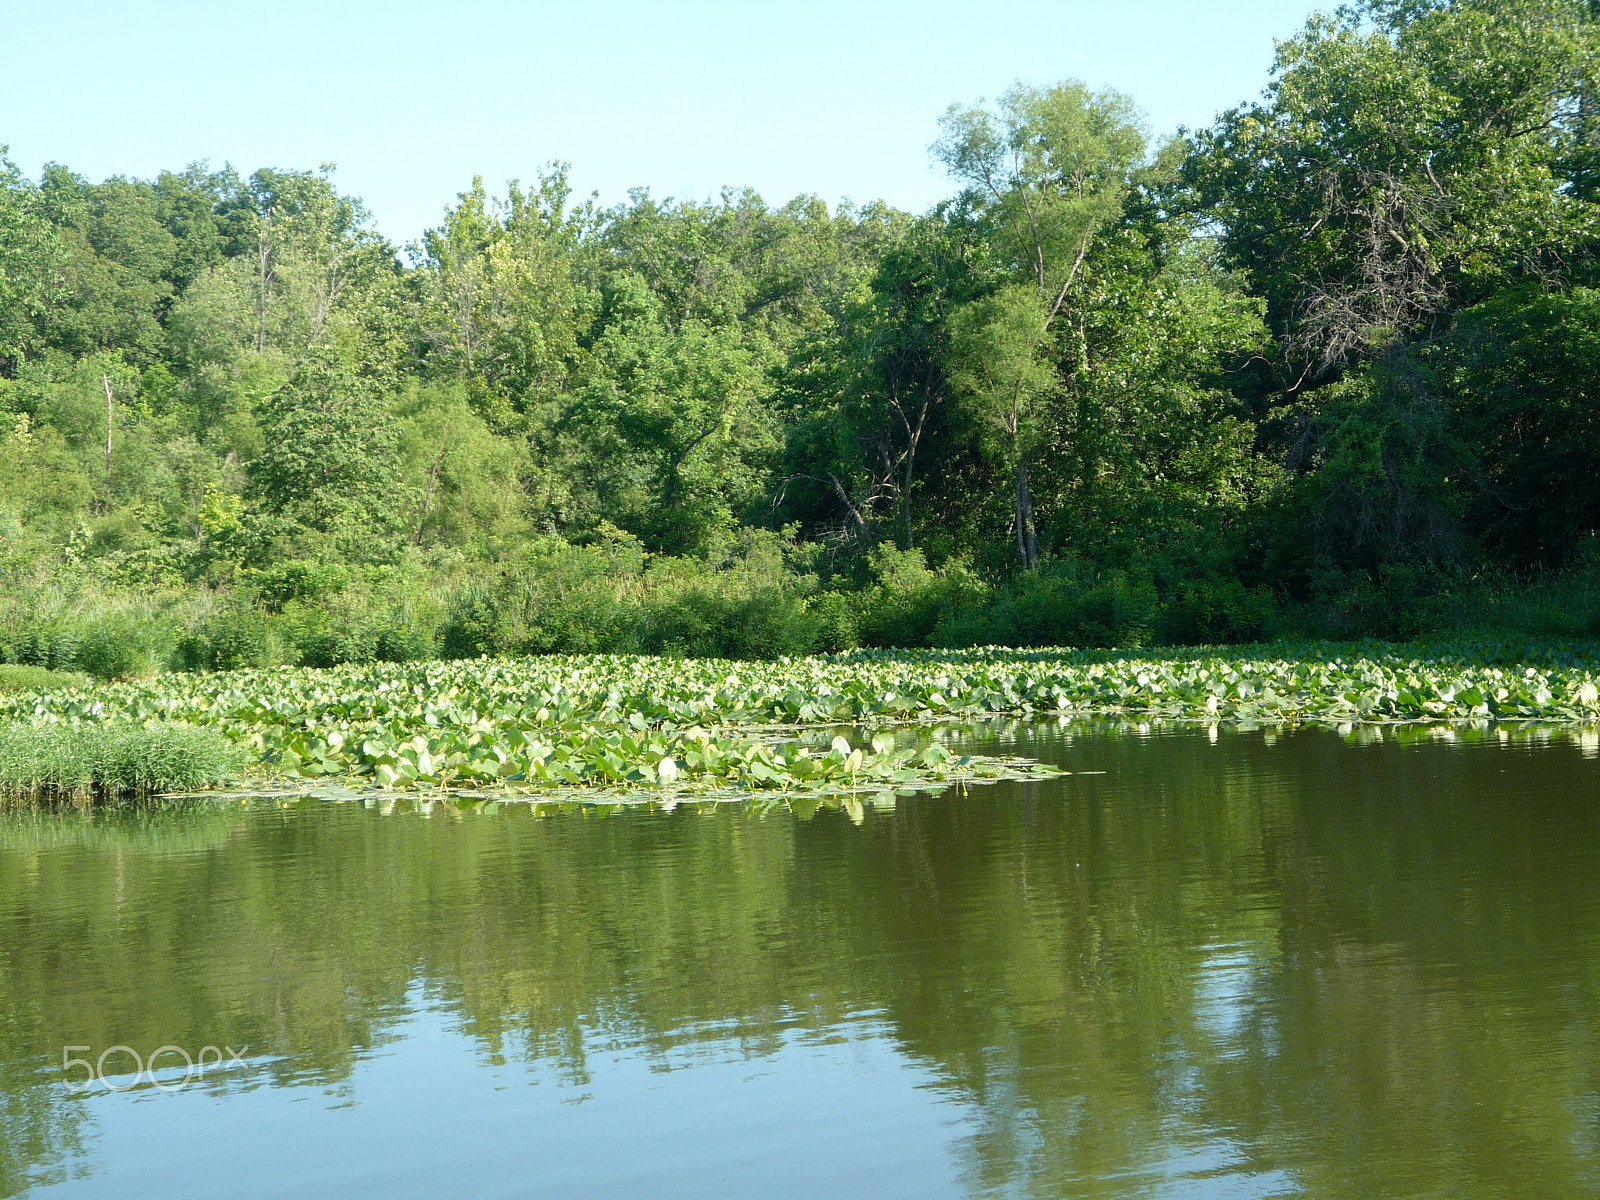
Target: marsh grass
<point>59,762</point>
<point>19,677</point>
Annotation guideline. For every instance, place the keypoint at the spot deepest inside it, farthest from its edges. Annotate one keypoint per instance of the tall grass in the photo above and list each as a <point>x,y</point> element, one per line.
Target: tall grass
<point>59,762</point>
<point>18,677</point>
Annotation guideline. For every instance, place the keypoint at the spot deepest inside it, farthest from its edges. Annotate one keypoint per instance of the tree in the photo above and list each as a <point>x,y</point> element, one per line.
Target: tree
<point>994,363</point>
<point>1524,384</point>
<point>675,421</point>
<point>329,463</point>
<point>876,395</point>
<point>462,483</point>
<point>117,256</point>
<point>1048,171</point>
<point>29,259</point>
<point>1407,160</point>
<point>502,307</point>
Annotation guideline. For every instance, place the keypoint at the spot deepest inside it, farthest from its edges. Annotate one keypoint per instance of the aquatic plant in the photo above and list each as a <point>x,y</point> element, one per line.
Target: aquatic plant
<point>638,722</point>
<point>21,677</point>
<point>56,761</point>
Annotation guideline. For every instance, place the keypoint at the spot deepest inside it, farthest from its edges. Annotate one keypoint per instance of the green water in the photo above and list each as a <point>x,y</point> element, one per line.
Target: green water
<point>1251,966</point>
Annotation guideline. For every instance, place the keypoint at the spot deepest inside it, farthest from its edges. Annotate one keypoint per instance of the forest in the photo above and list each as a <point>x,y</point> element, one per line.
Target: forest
<point>1326,368</point>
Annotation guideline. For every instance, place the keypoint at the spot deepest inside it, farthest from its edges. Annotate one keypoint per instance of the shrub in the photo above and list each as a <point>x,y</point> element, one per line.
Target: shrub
<point>115,648</point>
<point>1396,601</point>
<point>399,641</point>
<point>1216,610</point>
<point>906,604</point>
<point>835,619</point>
<point>227,640</point>
<point>701,624</point>
<point>1059,604</point>
<point>316,637</point>
<point>308,582</point>
<point>54,647</point>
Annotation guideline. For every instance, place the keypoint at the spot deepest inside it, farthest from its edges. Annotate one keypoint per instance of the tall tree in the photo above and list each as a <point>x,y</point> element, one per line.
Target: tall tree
<point>1049,169</point>
<point>29,259</point>
<point>330,463</point>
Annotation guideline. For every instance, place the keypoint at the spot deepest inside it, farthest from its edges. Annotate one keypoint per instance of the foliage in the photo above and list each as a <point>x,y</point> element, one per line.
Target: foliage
<point>1324,366</point>
<point>630,723</point>
<point>552,722</point>
<point>227,640</point>
<point>59,762</point>
<point>1061,604</point>
<point>18,678</point>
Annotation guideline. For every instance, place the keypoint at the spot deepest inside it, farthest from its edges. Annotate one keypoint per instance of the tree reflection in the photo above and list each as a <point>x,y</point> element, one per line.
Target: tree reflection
<point>1342,970</point>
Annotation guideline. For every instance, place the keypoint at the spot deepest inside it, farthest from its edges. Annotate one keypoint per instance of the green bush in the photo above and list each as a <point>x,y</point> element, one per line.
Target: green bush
<point>907,601</point>
<point>701,624</point>
<point>835,618</point>
<point>1397,601</point>
<point>308,582</point>
<point>558,599</point>
<point>227,641</point>
<point>1060,604</point>
<point>399,641</point>
<point>1216,610</point>
<point>317,637</point>
<point>471,627</point>
<point>52,646</point>
<point>116,648</point>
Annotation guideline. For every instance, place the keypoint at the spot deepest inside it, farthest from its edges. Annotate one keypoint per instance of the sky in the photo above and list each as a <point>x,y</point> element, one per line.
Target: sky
<point>410,101</point>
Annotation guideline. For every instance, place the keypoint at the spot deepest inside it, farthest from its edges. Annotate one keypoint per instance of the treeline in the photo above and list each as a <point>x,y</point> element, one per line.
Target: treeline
<point>1326,366</point>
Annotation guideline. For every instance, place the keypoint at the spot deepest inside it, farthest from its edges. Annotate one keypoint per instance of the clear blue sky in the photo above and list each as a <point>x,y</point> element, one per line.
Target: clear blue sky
<point>412,100</point>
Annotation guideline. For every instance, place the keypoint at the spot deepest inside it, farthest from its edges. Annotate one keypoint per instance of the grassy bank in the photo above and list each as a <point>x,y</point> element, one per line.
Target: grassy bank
<point>16,677</point>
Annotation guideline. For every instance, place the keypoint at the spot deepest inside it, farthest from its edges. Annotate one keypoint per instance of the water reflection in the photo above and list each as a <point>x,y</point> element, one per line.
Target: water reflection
<point>1230,965</point>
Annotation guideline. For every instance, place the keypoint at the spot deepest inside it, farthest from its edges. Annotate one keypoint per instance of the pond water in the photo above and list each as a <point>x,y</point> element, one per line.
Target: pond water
<point>1234,964</point>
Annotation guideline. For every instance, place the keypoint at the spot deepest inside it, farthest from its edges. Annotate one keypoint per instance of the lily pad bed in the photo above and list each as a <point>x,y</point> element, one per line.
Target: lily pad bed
<point>652,726</point>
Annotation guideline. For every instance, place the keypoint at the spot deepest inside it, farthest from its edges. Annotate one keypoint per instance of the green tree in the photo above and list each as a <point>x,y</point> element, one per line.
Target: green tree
<point>502,306</point>
<point>463,484</point>
<point>1407,159</point>
<point>866,404</point>
<point>330,460</point>
<point>29,259</point>
<point>117,259</point>
<point>1048,170</point>
<point>1525,378</point>
<point>995,364</point>
<point>676,420</point>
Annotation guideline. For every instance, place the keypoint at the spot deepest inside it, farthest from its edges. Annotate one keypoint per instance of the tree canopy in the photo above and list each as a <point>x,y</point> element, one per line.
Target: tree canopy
<point>1341,334</point>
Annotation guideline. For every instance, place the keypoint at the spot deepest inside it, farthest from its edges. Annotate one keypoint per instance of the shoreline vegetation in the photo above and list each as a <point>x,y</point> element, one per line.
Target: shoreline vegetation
<point>608,725</point>
<point>81,764</point>
<point>1323,370</point>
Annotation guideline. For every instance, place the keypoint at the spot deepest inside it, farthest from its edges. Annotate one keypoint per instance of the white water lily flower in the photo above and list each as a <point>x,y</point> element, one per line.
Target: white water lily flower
<point>667,770</point>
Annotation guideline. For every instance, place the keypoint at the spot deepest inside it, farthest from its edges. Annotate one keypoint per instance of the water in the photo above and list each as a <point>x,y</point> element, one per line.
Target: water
<point>1264,965</point>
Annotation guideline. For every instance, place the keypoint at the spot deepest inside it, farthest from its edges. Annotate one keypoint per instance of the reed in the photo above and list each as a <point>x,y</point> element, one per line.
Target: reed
<point>105,762</point>
<point>19,677</point>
